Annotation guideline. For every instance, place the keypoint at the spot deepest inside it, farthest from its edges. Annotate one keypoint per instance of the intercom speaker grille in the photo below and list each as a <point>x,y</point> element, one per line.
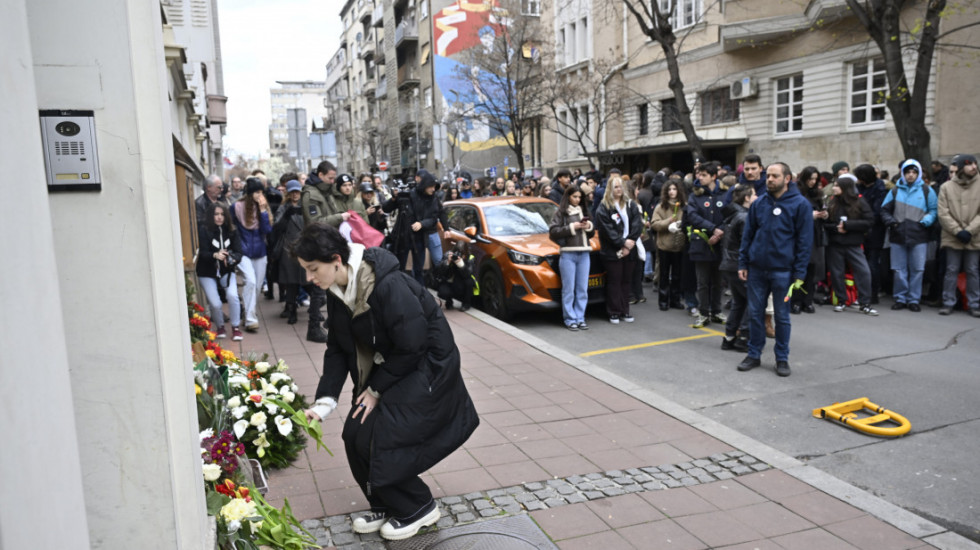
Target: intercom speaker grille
<point>69,148</point>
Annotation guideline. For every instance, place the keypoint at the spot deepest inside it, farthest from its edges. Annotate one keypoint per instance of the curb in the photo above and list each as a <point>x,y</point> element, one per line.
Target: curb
<point>902,519</point>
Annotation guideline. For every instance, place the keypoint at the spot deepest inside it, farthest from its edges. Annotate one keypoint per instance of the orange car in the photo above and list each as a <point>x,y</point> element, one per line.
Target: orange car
<point>516,261</point>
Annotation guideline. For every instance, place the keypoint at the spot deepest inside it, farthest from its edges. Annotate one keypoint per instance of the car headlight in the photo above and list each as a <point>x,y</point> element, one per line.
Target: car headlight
<point>521,258</point>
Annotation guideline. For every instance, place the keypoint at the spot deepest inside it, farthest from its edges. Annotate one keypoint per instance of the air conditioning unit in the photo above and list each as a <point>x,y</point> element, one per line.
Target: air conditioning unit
<point>743,88</point>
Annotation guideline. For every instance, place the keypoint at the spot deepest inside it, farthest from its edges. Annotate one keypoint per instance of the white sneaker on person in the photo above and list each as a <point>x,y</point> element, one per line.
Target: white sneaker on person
<point>369,523</point>
<point>398,529</point>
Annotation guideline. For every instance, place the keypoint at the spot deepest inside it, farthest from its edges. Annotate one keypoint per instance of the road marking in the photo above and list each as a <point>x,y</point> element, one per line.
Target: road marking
<point>707,334</point>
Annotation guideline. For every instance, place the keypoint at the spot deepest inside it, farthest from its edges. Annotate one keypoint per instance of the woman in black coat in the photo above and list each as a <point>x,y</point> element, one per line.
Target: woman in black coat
<point>410,407</point>
<point>849,219</point>
<point>620,224</point>
<point>289,224</point>
<point>809,186</point>
<point>219,252</point>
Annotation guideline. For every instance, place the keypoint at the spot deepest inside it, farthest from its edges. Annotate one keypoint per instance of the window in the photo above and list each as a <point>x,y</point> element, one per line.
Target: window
<point>530,7</point>
<point>461,217</point>
<point>686,12</point>
<point>717,107</point>
<point>423,9</point>
<point>571,124</point>
<point>643,113</point>
<point>869,85</point>
<point>669,116</point>
<point>575,41</point>
<point>789,104</point>
<point>428,96</point>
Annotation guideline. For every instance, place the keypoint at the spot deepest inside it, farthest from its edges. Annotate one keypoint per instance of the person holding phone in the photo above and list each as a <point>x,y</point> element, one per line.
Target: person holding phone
<point>372,207</point>
<point>571,229</point>
<point>253,221</point>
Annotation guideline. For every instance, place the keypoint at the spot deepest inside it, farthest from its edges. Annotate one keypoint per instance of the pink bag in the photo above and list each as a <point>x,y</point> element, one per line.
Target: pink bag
<point>362,232</point>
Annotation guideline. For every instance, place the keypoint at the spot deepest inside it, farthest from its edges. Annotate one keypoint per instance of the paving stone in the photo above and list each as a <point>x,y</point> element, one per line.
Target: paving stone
<point>555,482</point>
<point>344,538</point>
<point>742,470</point>
<point>688,481</point>
<point>534,486</point>
<point>526,497</point>
<point>724,474</point>
<point>760,466</point>
<point>592,495</point>
<point>546,493</point>
<point>695,472</point>
<point>533,506</point>
<point>634,471</point>
<point>614,473</point>
<point>729,463</point>
<point>504,501</point>
<point>493,493</point>
<point>613,491</point>
<point>451,500</point>
<point>555,502</point>
<point>459,508</point>
<point>513,508</point>
<point>735,454</point>
<point>700,463</point>
<point>575,480</point>
<point>718,457</point>
<point>586,486</point>
<point>603,483</point>
<point>684,465</point>
<point>515,490</point>
<point>624,480</point>
<point>678,474</point>
<point>635,488</point>
<point>661,477</point>
<point>352,546</point>
<point>490,512</point>
<point>567,490</point>
<point>335,520</point>
<point>482,504</point>
<point>576,498</point>
<point>593,476</point>
<point>373,545</point>
<point>472,496</point>
<point>651,470</point>
<point>672,483</point>
<point>310,524</point>
<point>748,459</point>
<point>465,518</point>
<point>712,468</point>
<point>705,478</point>
<point>341,528</point>
<point>653,486</point>
<point>372,537</point>
<point>445,522</point>
<point>322,537</point>
<point>642,478</point>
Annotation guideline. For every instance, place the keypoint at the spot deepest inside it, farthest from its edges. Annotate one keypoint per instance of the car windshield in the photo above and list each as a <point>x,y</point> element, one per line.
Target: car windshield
<point>525,218</point>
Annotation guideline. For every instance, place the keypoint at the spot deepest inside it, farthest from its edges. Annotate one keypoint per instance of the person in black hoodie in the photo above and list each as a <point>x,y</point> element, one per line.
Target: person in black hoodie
<point>873,191</point>
<point>410,408</point>
<point>737,326</point>
<point>219,253</point>
<point>849,219</point>
<point>400,240</point>
<point>428,214</point>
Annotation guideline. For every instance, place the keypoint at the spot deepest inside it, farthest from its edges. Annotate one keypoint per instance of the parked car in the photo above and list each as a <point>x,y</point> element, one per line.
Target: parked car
<point>516,262</point>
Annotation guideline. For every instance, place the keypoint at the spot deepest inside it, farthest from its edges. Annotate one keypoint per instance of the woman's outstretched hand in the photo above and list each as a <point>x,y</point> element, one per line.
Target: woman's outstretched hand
<point>365,404</point>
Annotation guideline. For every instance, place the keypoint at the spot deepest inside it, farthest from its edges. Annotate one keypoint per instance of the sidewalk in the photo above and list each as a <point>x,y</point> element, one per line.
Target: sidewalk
<point>594,464</point>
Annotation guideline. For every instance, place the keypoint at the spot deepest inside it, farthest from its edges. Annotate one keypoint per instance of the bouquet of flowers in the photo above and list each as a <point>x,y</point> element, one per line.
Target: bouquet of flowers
<point>200,327</point>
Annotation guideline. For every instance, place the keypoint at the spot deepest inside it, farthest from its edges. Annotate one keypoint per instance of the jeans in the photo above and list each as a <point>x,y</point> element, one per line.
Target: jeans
<point>709,287</point>
<point>838,257</point>
<point>738,320</point>
<point>210,288</point>
<point>970,261</point>
<point>648,264</point>
<point>908,262</point>
<point>574,268</point>
<point>761,284</point>
<point>434,244</point>
<point>253,269</point>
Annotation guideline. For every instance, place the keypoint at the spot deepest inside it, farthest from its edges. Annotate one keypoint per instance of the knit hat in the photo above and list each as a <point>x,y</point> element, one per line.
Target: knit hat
<point>342,179</point>
<point>848,177</point>
<point>293,185</point>
<point>836,168</point>
<point>865,173</point>
<point>961,160</point>
<point>252,185</point>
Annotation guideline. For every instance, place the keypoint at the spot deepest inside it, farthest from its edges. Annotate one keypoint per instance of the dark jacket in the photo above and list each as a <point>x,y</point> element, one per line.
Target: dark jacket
<point>704,213</point>
<point>731,241</point>
<point>557,193</point>
<point>778,234</point>
<point>909,210</point>
<point>399,239</point>
<point>424,412</point>
<point>560,231</point>
<point>610,226</point>
<point>857,227</point>
<point>209,244</point>
<point>427,209</point>
<point>446,271</point>
<point>201,205</point>
<point>289,224</point>
<point>253,240</point>
<point>874,195</point>
<point>376,220</point>
<point>759,184</point>
<point>815,198</point>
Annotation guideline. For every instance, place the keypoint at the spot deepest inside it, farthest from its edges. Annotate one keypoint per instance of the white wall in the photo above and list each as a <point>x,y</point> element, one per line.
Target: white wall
<point>40,472</point>
<point>119,270</point>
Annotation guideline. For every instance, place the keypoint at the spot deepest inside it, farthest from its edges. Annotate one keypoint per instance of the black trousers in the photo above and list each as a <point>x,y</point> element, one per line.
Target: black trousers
<point>709,287</point>
<point>401,500</point>
<point>738,318</point>
<point>619,280</point>
<point>318,297</point>
<point>459,289</point>
<point>669,286</point>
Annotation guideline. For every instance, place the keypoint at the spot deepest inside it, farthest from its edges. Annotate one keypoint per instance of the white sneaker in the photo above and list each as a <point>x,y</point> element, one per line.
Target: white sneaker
<point>305,303</point>
<point>839,308</point>
<point>396,529</point>
<point>628,318</point>
<point>369,523</point>
<point>614,319</point>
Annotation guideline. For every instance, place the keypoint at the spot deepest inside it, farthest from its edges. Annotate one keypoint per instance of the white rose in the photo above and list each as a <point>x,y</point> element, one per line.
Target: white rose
<point>211,472</point>
<point>278,377</point>
<point>262,367</point>
<point>288,396</point>
<point>284,425</point>
<point>239,412</point>
<point>234,402</point>
<point>258,419</point>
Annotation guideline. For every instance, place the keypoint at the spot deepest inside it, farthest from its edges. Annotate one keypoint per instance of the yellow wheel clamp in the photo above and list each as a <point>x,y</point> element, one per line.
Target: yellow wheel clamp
<point>845,414</point>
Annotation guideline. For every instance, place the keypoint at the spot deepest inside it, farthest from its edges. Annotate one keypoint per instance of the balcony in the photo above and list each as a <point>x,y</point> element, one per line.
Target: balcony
<point>408,76</point>
<point>217,111</point>
<point>382,90</point>
<point>377,18</point>
<point>407,31</point>
<point>367,50</point>
<point>365,12</point>
<point>369,87</point>
<point>379,56</point>
<point>406,114</point>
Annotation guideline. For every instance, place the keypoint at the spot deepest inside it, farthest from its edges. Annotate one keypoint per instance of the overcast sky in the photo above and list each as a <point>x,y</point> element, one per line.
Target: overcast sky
<point>263,41</point>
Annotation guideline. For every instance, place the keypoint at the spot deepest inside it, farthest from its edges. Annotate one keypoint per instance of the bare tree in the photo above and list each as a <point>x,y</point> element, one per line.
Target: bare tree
<point>507,76</point>
<point>884,22</point>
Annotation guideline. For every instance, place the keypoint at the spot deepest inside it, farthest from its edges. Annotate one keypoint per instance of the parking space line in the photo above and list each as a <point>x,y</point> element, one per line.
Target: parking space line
<point>707,334</point>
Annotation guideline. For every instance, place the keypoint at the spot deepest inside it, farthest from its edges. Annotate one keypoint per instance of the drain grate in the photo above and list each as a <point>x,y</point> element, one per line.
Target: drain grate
<point>511,533</point>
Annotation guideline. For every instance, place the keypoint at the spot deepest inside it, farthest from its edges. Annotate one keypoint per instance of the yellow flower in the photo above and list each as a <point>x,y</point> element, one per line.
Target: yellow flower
<point>211,335</point>
<point>238,509</point>
<point>210,353</point>
<point>228,356</point>
<point>197,389</point>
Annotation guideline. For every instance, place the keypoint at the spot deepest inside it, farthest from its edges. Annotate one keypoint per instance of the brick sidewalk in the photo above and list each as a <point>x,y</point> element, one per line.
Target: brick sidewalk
<point>593,466</point>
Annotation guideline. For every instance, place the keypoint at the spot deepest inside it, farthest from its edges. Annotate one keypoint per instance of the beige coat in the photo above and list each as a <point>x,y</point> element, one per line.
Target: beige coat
<point>667,241</point>
<point>959,209</point>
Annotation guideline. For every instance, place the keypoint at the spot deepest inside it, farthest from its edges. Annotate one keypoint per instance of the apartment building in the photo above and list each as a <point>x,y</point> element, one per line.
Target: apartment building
<point>304,94</point>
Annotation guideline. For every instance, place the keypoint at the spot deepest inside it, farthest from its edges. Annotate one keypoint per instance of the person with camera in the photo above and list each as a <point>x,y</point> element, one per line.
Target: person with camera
<point>427,214</point>
<point>454,277</point>
<point>399,207</point>
<point>219,253</point>
<point>410,408</point>
<point>571,229</point>
<point>372,207</point>
<point>253,221</point>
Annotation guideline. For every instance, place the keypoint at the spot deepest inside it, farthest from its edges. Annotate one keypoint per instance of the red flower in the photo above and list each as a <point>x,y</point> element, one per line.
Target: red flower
<point>256,398</point>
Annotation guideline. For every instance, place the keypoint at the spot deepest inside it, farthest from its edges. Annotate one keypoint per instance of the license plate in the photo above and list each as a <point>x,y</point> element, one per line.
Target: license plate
<point>597,281</point>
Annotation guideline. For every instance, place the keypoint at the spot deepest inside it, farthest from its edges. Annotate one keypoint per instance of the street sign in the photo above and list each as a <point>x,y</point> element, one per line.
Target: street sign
<point>506,159</point>
<point>493,171</point>
<point>382,166</point>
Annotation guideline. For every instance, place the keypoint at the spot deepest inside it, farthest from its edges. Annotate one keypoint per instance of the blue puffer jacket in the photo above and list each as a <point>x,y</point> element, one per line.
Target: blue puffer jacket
<point>909,209</point>
<point>778,234</point>
<point>253,240</point>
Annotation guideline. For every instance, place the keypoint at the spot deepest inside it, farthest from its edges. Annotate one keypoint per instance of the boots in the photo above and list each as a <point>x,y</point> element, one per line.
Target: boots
<point>314,333</point>
<point>291,310</point>
<point>770,330</point>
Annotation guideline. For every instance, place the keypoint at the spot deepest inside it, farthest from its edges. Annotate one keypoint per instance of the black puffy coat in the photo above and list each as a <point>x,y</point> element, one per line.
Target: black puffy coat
<point>856,226</point>
<point>874,194</point>
<point>610,227</point>
<point>289,224</point>
<point>731,241</point>
<point>704,213</point>
<point>426,208</point>
<point>212,241</point>
<point>425,412</point>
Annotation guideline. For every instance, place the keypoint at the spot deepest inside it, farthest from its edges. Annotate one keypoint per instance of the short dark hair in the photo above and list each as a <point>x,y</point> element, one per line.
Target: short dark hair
<point>753,158</point>
<point>787,171</point>
<point>741,191</point>
<point>284,179</point>
<point>709,167</point>
<point>563,172</point>
<point>325,167</point>
<point>320,242</point>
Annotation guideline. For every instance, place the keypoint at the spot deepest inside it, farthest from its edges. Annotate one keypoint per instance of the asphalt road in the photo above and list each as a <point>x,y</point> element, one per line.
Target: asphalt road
<point>921,365</point>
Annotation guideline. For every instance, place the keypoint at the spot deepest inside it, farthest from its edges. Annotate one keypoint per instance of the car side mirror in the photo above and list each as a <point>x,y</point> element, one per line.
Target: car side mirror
<point>471,231</point>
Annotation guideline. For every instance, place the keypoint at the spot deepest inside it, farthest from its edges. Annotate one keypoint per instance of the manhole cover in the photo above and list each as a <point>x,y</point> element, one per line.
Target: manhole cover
<point>512,533</point>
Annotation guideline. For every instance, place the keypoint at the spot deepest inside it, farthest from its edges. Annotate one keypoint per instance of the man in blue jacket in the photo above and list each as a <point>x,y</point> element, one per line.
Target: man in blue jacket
<point>774,253</point>
<point>908,211</point>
